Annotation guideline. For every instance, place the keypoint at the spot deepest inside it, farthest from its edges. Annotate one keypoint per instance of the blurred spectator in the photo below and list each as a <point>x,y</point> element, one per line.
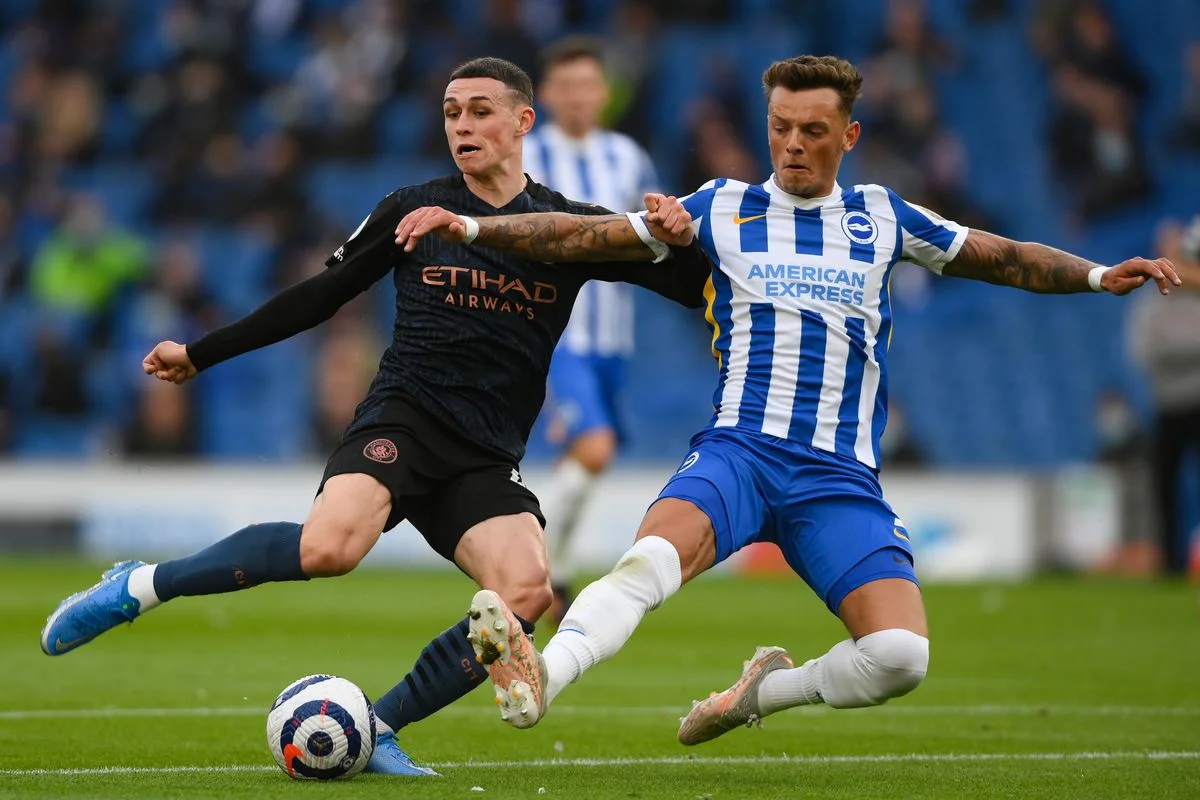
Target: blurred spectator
<point>85,263</point>
<point>716,150</point>
<point>1166,343</point>
<point>1122,447</point>
<point>276,203</point>
<point>897,447</point>
<point>11,267</point>
<point>1089,43</point>
<point>504,35</point>
<point>217,189</point>
<point>909,53</point>
<point>163,427</point>
<point>346,361</point>
<point>5,412</point>
<point>628,56</point>
<point>173,305</point>
<point>1094,146</point>
<point>183,113</point>
<point>1185,130</point>
<point>335,95</point>
<point>59,388</point>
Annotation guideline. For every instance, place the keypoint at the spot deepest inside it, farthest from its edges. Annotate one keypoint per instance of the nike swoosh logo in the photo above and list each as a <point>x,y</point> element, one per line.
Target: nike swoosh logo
<point>897,532</point>
<point>740,220</point>
<point>59,644</point>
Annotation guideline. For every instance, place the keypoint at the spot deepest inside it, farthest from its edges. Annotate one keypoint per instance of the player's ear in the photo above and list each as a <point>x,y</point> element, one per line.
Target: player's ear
<point>850,137</point>
<point>525,119</point>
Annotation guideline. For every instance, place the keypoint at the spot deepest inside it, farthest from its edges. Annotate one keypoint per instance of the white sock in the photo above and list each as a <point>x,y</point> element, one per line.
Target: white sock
<point>141,587</point>
<point>562,501</point>
<point>606,613</point>
<point>871,671</point>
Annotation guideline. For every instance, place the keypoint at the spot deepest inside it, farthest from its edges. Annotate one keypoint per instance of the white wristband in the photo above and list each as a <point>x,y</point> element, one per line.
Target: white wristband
<point>472,228</point>
<point>1093,277</point>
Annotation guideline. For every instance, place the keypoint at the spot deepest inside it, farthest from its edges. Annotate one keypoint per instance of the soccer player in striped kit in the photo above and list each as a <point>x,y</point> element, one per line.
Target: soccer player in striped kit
<point>799,307</point>
<point>575,156</point>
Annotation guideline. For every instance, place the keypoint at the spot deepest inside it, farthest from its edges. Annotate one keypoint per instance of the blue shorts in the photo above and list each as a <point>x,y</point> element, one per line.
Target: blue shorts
<point>826,512</point>
<point>583,393</point>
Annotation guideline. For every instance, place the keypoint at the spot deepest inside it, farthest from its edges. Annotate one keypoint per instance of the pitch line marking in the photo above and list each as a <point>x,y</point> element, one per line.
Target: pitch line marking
<point>895,758</point>
<point>902,710</point>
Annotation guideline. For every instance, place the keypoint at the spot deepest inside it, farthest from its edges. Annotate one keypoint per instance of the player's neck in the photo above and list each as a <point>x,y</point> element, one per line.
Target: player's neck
<point>496,188</point>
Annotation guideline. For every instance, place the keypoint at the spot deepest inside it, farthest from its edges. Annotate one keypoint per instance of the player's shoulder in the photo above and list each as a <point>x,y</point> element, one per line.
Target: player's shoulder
<point>544,199</point>
<point>622,142</point>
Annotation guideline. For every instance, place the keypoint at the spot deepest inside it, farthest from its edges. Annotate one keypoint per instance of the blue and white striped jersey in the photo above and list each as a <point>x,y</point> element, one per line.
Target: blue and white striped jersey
<point>799,308</point>
<point>610,170</point>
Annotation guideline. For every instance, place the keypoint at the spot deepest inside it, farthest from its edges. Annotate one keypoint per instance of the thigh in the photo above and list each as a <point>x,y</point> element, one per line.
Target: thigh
<point>842,540</point>
<point>349,514</point>
<point>503,551</point>
<point>463,502</point>
<point>720,478</point>
<point>883,603</point>
<point>391,456</point>
<point>578,397</point>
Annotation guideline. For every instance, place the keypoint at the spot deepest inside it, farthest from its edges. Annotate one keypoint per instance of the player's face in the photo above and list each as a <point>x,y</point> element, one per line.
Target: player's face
<point>808,134</point>
<point>575,93</point>
<point>484,125</point>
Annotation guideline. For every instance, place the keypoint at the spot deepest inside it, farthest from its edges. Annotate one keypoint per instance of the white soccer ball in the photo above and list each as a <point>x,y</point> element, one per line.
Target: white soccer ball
<point>320,728</point>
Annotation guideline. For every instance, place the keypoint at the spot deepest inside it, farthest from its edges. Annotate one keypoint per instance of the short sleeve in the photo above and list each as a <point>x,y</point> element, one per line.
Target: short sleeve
<point>926,238</point>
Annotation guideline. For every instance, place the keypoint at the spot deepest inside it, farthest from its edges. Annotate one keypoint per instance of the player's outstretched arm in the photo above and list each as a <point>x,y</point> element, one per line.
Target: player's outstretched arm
<point>555,236</point>
<point>1039,268</point>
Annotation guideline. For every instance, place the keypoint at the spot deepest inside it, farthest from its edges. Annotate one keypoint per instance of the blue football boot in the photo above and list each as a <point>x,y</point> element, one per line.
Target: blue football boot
<point>389,759</point>
<point>85,615</point>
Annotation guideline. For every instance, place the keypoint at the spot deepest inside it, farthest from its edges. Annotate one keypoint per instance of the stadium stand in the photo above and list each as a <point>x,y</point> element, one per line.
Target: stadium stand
<point>988,378</point>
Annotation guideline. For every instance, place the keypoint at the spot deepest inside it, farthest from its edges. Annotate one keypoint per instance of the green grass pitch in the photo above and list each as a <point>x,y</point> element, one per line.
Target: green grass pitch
<point>1053,689</point>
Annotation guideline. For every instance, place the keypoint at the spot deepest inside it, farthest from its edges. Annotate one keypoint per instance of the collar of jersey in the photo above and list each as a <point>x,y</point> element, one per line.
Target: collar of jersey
<point>795,200</point>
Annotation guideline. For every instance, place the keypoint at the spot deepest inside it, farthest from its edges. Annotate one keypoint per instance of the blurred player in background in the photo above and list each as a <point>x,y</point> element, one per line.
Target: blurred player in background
<point>1166,344</point>
<point>439,437</point>
<point>801,318</point>
<point>572,154</point>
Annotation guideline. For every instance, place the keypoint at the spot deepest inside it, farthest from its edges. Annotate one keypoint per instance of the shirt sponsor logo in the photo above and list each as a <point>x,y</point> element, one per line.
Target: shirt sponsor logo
<point>473,287</point>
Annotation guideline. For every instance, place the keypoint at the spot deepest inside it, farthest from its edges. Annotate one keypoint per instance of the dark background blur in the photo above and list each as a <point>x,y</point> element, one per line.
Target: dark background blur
<point>165,165</point>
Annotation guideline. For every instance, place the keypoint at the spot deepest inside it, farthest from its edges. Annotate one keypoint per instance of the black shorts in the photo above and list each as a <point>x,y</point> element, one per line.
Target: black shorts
<point>440,482</point>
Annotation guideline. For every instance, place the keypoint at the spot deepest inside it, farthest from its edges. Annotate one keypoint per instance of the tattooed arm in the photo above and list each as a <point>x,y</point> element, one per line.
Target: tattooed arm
<point>560,237</point>
<point>1039,268</point>
<point>565,237</point>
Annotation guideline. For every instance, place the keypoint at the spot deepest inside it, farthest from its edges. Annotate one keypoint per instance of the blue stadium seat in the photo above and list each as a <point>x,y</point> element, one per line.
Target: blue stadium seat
<point>403,123</point>
<point>275,60</point>
<point>236,267</point>
<point>123,187</point>
<point>347,191</point>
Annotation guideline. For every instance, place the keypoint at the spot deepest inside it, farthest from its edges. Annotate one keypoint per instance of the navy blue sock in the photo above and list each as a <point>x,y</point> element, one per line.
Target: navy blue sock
<point>255,554</point>
<point>445,671</point>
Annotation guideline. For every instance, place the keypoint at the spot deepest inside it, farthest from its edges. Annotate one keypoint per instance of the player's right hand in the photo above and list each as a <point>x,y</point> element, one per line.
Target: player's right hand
<point>169,361</point>
<point>668,220</point>
<point>430,219</point>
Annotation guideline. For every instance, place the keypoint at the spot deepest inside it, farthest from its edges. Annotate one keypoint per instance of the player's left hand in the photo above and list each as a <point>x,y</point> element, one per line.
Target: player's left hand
<point>1132,274</point>
<point>668,220</point>
<point>429,219</point>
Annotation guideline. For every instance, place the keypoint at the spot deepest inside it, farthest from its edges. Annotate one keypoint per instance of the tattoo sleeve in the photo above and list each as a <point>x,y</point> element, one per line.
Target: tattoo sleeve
<point>1025,265</point>
<point>565,237</point>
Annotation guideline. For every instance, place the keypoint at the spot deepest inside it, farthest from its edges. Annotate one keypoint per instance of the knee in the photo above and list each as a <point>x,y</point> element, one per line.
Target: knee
<point>528,596</point>
<point>895,662</point>
<point>594,451</point>
<point>327,553</point>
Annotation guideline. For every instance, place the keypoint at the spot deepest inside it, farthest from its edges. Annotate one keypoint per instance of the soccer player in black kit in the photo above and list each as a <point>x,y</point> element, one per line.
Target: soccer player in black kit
<point>440,435</point>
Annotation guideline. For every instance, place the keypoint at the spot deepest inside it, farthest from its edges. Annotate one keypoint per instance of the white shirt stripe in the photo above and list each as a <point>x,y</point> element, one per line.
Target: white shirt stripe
<point>829,257</point>
<point>610,170</point>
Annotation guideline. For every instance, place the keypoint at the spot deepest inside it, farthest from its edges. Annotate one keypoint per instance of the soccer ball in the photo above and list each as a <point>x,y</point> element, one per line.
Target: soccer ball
<point>320,728</point>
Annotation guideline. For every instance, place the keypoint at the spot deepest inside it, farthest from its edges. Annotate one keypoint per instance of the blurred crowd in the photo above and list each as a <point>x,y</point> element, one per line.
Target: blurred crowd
<point>218,111</point>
